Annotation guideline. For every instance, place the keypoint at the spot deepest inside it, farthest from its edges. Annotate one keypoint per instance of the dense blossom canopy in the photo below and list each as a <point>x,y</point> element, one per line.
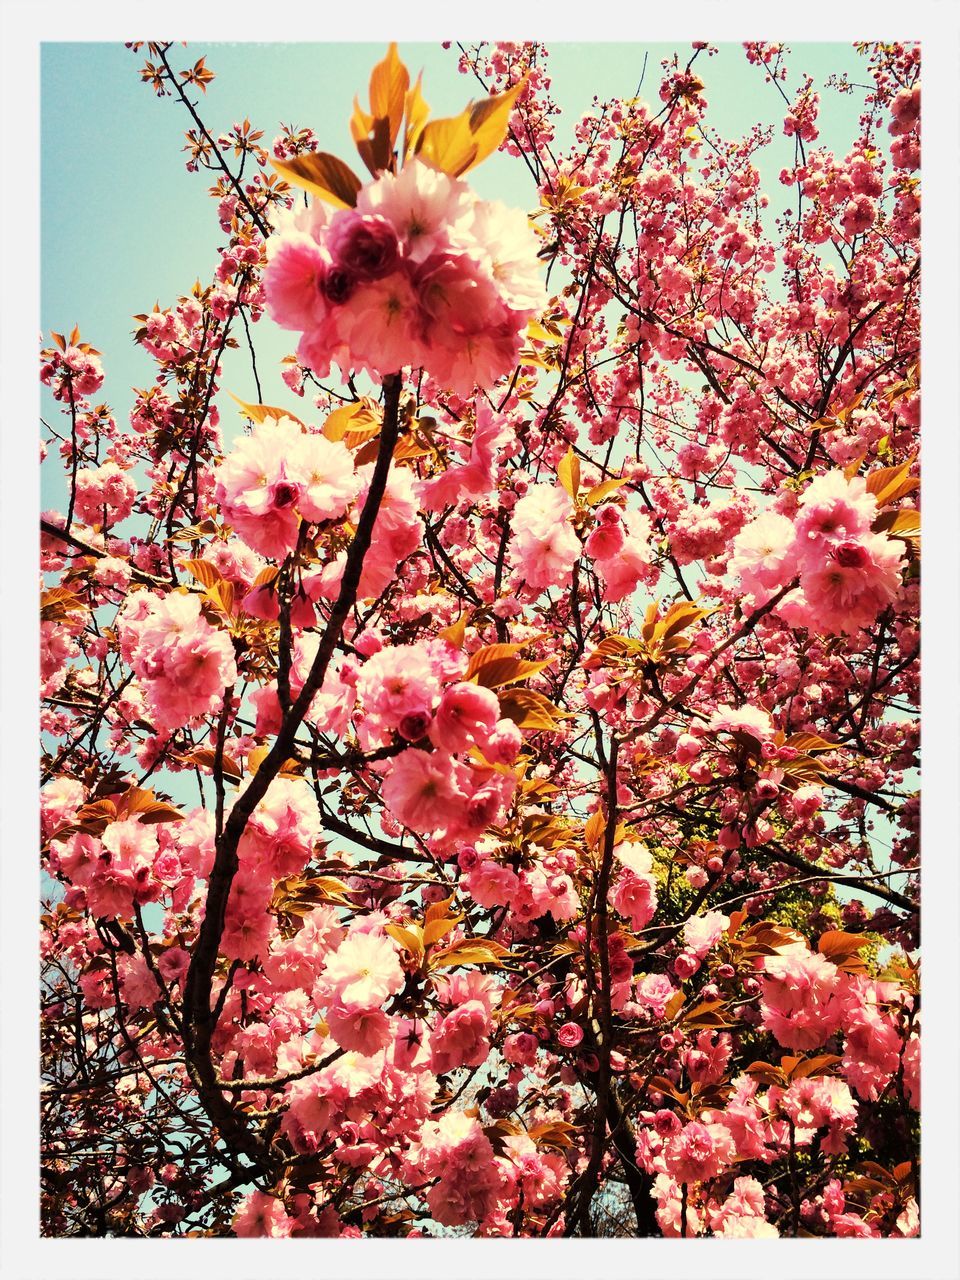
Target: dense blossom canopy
<point>480,794</point>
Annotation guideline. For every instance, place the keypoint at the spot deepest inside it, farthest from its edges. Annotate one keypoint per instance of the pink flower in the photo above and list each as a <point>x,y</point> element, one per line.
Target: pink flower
<point>396,683</point>
<point>467,713</point>
<point>654,990</point>
<point>362,1029</point>
<point>262,1215</point>
<point>763,553</point>
<point>834,508</point>
<point>700,933</point>
<point>544,546</point>
<point>469,336</point>
<point>699,1152</point>
<point>421,203</point>
<point>504,743</point>
<point>431,793</point>
<point>635,898</point>
<point>456,1151</point>
<point>474,478</point>
<point>182,662</point>
<point>508,248</point>
<point>460,1039</point>
<point>364,246</point>
<point>278,475</point>
<point>871,1053</point>
<point>490,884</point>
<point>608,536</point>
<point>363,971</point>
<point>570,1034</point>
<point>105,495</point>
<point>420,273</point>
<point>294,282</point>
<point>800,1003</point>
<point>521,1048</point>
<point>911,1071</point>
<point>751,720</point>
<point>853,584</point>
<point>380,325</point>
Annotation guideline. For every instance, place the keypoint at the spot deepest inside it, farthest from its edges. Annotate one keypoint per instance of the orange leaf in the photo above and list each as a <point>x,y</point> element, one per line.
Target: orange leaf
<point>891,483</point>
<point>323,175</point>
<point>458,143</point>
<point>261,412</point>
<point>568,473</point>
<point>389,82</point>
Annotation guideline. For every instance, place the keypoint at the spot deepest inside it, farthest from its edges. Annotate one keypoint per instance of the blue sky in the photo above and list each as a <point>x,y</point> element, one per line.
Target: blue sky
<point>124,225</point>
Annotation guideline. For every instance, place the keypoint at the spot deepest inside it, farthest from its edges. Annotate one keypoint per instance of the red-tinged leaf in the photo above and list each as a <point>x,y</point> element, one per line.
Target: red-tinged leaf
<point>502,671</point>
<point>437,929</point>
<point>609,649</point>
<point>389,82</point>
<point>594,828</point>
<point>221,595</point>
<point>57,602</point>
<point>767,1073</point>
<point>416,112</point>
<point>410,938</point>
<point>663,1084</point>
<point>490,653</point>
<point>456,633</point>
<point>838,946</point>
<point>261,412</point>
<point>469,951</point>
<point>822,1065</point>
<point>264,577</point>
<point>206,758</point>
<point>903,523</point>
<point>204,572</point>
<point>458,143</point>
<point>353,422</point>
<point>553,1134</point>
<point>709,1013</point>
<point>678,617</point>
<point>889,484</point>
<point>530,709</point>
<point>323,175</point>
<point>809,743</point>
<point>736,920</point>
<point>673,1006</point>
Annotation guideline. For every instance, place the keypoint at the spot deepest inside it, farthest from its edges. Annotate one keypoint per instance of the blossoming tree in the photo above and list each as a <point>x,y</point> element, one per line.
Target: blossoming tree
<point>483,801</point>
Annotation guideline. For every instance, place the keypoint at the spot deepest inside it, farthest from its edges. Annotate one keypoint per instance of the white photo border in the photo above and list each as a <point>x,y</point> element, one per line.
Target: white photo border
<point>24,1255</point>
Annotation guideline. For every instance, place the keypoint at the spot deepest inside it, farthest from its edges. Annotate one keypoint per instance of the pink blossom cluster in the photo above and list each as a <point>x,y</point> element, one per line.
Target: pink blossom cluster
<point>183,664</point>
<point>72,373</point>
<point>847,573</point>
<point>105,495</point>
<point>281,475</point>
<point>619,546</point>
<point>420,273</point>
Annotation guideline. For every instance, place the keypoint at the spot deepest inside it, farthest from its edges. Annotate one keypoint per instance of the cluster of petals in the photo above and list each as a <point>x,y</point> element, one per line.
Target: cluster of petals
<point>469,1181</point>
<point>800,999</point>
<point>847,573</point>
<point>278,476</point>
<point>619,546</point>
<point>544,547</point>
<point>634,892</point>
<point>420,273</point>
<point>105,495</point>
<point>182,662</point>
